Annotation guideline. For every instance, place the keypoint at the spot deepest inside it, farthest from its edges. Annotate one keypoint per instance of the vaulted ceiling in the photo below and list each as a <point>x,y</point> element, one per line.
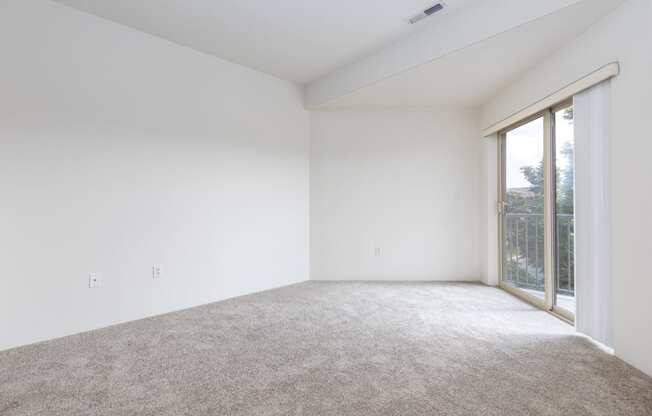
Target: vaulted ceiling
<point>296,40</point>
<point>363,53</point>
<point>471,75</point>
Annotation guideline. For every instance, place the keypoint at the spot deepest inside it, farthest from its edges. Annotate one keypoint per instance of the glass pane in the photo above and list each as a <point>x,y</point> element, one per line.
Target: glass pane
<point>565,210</point>
<point>523,225</point>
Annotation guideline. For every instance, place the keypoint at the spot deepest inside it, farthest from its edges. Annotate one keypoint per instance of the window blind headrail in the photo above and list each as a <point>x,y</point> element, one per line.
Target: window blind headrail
<point>608,71</point>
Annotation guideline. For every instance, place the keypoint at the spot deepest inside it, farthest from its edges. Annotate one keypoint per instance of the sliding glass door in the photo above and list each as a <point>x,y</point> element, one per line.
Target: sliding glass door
<point>537,210</point>
<point>523,208</point>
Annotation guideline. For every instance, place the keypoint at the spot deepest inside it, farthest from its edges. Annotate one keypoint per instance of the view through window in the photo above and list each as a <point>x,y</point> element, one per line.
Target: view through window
<point>523,214</point>
<point>565,209</point>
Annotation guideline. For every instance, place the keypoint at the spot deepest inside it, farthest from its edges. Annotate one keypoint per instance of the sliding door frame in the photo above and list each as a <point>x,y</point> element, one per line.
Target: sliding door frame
<point>548,302</point>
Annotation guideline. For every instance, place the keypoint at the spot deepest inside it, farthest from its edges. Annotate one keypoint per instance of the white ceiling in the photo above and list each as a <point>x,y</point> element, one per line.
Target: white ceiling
<point>296,40</point>
<point>470,76</point>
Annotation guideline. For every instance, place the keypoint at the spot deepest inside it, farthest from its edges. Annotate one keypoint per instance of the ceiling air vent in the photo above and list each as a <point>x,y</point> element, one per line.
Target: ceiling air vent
<point>428,12</point>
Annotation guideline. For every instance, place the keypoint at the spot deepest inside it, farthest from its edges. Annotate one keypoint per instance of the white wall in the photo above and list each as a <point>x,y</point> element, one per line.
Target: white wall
<point>404,181</point>
<point>624,36</point>
<point>119,150</point>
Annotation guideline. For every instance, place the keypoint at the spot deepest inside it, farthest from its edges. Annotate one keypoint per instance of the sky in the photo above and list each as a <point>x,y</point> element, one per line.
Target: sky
<point>525,148</point>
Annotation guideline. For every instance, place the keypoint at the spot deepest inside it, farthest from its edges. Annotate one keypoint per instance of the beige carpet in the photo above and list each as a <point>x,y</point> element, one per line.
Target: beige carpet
<point>322,348</point>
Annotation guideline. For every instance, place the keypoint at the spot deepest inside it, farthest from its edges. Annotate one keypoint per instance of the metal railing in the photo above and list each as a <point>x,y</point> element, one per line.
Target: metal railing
<point>565,254</point>
<point>523,261</point>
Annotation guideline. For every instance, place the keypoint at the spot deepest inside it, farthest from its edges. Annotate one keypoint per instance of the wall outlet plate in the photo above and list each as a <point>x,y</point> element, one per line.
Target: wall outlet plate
<point>156,271</point>
<point>94,280</point>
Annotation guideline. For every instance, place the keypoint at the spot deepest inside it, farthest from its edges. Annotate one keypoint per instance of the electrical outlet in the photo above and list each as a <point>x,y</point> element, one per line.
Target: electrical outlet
<point>378,252</point>
<point>156,271</point>
<point>94,280</point>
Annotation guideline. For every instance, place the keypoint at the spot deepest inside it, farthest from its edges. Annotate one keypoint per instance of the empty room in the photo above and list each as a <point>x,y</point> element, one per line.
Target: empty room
<point>384,208</point>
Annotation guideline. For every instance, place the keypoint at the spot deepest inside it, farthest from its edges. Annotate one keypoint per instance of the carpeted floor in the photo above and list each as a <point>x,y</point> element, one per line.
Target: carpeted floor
<point>321,348</point>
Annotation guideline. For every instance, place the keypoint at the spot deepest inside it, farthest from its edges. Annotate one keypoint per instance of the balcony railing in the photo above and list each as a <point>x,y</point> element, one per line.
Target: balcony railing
<point>523,261</point>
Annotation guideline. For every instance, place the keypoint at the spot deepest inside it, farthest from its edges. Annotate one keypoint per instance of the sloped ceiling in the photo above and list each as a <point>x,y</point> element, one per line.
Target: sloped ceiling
<point>462,59</point>
<point>295,40</point>
<point>470,76</point>
<point>363,53</point>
